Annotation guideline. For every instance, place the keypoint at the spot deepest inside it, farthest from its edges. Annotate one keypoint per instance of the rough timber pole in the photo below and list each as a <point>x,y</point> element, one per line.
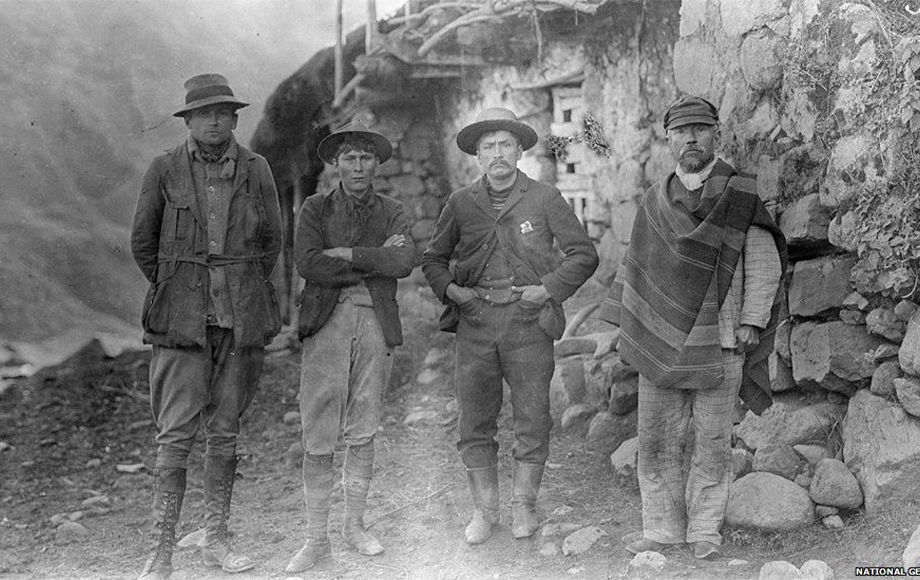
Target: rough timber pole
<point>370,33</point>
<point>339,49</point>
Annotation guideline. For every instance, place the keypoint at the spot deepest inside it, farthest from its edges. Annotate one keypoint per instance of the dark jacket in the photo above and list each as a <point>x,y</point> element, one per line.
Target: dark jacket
<point>534,216</point>
<point>169,241</point>
<point>320,227</point>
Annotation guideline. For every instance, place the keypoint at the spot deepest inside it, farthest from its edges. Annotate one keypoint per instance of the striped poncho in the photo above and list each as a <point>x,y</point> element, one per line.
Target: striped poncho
<point>674,278</point>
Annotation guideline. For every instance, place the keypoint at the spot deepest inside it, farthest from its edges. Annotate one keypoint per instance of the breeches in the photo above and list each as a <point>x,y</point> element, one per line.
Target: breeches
<point>496,342</point>
<point>344,375</point>
<point>210,386</point>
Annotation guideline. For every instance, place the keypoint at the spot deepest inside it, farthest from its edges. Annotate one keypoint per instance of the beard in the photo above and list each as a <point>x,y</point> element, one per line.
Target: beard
<point>695,160</point>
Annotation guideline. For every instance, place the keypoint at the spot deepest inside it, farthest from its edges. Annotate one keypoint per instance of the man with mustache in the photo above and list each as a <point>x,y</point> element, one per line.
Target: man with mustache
<point>504,299</point>
<point>697,298</point>
<point>207,232</point>
<point>351,245</point>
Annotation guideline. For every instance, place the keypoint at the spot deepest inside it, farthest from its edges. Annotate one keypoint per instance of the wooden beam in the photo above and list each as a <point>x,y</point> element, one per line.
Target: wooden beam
<point>339,49</point>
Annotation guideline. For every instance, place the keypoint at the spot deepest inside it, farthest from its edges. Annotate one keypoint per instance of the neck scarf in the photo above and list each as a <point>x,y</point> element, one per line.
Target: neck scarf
<point>694,181</point>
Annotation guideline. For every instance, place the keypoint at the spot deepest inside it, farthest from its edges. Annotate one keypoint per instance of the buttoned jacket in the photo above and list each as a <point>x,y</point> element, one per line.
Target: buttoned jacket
<point>321,227</point>
<point>537,230</point>
<point>169,241</point>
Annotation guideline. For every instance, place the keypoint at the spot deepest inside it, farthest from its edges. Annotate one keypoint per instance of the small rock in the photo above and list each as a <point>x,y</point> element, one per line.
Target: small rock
<point>131,468</point>
<point>647,565</point>
<point>908,391</point>
<point>96,500</point>
<point>193,539</point>
<point>836,398</point>
<point>291,418</point>
<point>826,510</point>
<point>779,459</point>
<point>832,522</point>
<point>737,562</point>
<point>549,549</point>
<point>5,446</point>
<point>70,532</point>
<point>835,485</point>
<point>779,570</point>
<point>905,309</point>
<point>57,519</point>
<point>742,461</point>
<point>852,317</point>
<point>581,541</point>
<point>884,351</point>
<point>94,463</point>
<point>576,417</point>
<point>885,323</point>
<point>817,570</point>
<point>293,457</point>
<point>559,529</point>
<point>883,378</point>
<point>563,510</point>
<point>421,416</point>
<point>813,454</point>
<point>625,459</point>
<point>75,516</point>
<point>436,356</point>
<point>804,480</point>
<point>575,570</point>
<point>428,376</point>
<point>856,299</point>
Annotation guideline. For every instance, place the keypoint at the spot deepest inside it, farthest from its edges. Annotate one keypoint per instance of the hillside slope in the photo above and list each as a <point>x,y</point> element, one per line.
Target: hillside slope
<point>88,88</point>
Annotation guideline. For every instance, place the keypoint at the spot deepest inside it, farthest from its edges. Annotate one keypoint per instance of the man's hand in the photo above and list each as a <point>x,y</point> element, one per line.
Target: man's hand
<point>395,240</point>
<point>461,295</point>
<point>340,253</point>
<point>536,295</point>
<point>746,338</point>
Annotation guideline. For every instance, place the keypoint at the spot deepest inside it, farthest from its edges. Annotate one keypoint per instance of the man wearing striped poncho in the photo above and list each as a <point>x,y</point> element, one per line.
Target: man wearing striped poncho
<point>697,299</point>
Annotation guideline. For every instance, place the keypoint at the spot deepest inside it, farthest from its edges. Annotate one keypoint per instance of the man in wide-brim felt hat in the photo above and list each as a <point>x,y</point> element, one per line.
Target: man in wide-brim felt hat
<point>504,300</point>
<point>352,244</point>
<point>206,234</point>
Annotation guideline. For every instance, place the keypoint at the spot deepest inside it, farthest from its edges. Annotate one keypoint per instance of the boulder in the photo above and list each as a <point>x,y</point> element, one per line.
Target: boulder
<point>567,387</point>
<point>624,395</point>
<point>768,502</point>
<point>908,392</point>
<point>910,558</point>
<point>581,541</point>
<point>778,458</point>
<point>805,222</point>
<point>904,310</point>
<point>881,446</point>
<point>649,565</point>
<point>779,570</point>
<point>601,375</point>
<point>791,420</point>
<point>834,485</point>
<point>781,378</point>
<point>819,284</point>
<point>819,569</point>
<point>611,430</point>
<point>576,418</point>
<point>832,355</point>
<point>813,454</point>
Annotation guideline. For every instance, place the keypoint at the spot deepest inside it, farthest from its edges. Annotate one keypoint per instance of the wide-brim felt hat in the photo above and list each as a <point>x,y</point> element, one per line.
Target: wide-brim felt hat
<point>208,89</point>
<point>689,110</point>
<point>495,119</point>
<point>328,146</point>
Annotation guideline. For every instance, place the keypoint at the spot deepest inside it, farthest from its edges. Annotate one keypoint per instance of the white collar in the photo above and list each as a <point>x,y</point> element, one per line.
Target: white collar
<point>694,181</point>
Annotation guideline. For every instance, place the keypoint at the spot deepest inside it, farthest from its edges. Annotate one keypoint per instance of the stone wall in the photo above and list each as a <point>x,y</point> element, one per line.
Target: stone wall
<point>817,148</point>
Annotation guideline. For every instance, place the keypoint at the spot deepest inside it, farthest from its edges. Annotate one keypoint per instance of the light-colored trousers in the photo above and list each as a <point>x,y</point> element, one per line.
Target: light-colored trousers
<point>345,369</point>
<point>673,512</point>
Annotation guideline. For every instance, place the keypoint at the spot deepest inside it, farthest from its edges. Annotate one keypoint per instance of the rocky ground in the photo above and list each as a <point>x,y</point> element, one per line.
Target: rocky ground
<point>76,452</point>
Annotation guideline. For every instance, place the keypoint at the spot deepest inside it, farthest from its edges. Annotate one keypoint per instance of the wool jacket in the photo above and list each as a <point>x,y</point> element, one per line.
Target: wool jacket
<point>169,241</point>
<point>534,218</point>
<point>322,224</point>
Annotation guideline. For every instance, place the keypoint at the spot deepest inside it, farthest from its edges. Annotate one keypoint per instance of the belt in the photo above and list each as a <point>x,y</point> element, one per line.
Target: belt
<point>497,295</point>
<point>499,284</point>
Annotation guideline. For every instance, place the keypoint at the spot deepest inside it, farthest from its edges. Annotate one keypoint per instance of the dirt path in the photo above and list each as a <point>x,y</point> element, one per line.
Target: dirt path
<point>71,427</point>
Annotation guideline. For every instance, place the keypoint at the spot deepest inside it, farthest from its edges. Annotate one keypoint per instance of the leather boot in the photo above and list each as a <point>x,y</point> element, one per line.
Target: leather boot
<point>317,489</point>
<point>219,474</point>
<point>168,493</point>
<point>484,488</point>
<point>525,486</point>
<point>356,479</point>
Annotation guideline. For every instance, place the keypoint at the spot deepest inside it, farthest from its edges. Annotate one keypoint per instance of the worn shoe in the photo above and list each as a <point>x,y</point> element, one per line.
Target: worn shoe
<point>358,538</point>
<point>706,550</point>
<point>479,529</point>
<point>308,556</point>
<point>220,555</point>
<point>645,545</point>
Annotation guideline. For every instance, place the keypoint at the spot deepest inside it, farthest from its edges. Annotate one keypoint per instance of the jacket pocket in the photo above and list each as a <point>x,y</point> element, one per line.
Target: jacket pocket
<point>314,309</point>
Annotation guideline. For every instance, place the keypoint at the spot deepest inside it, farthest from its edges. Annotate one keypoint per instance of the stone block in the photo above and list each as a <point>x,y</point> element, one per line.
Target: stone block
<point>624,395</point>
<point>760,64</point>
<point>883,378</point>
<point>885,323</point>
<point>791,420</point>
<point>909,354</point>
<point>625,459</point>
<point>881,446</point>
<point>908,393</point>
<point>742,463</point>
<point>694,65</point>
<point>768,502</point>
<point>832,355</point>
<point>834,485</point>
<point>805,223</point>
<point>819,284</point>
<point>740,16</point>
<point>781,378</point>
<point>778,458</point>
<point>905,309</point>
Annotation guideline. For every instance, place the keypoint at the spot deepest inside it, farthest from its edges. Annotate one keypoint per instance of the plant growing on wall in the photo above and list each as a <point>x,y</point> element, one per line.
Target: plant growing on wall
<point>591,134</point>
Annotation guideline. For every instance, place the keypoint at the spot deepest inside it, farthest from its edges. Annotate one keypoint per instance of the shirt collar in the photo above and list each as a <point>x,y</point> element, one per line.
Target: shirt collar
<point>693,181</point>
<point>230,154</point>
<point>368,198</point>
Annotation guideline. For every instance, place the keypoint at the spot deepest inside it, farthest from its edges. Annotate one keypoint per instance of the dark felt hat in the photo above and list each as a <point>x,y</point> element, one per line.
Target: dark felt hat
<point>495,119</point>
<point>328,146</point>
<point>688,110</point>
<point>208,89</point>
